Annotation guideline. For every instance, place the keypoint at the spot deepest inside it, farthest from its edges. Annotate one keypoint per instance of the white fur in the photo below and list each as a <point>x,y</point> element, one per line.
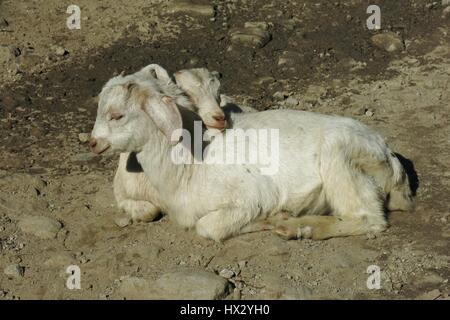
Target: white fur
<point>203,87</point>
<point>328,164</point>
<point>133,192</point>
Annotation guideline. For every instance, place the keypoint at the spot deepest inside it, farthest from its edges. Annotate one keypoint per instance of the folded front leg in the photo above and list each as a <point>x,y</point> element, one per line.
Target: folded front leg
<point>139,210</point>
<point>224,223</point>
<point>319,227</point>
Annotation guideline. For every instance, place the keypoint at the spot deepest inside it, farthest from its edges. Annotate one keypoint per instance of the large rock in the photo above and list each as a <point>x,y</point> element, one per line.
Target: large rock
<point>40,226</point>
<point>254,34</point>
<point>194,285</point>
<point>14,271</point>
<point>388,41</point>
<point>179,285</point>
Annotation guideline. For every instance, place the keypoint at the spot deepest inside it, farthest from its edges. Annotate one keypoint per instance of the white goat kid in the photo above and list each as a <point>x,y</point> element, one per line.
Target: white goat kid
<point>133,192</point>
<point>327,165</point>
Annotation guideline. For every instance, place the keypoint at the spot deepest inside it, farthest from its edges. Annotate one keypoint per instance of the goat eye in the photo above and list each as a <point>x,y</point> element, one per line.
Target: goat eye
<point>116,116</point>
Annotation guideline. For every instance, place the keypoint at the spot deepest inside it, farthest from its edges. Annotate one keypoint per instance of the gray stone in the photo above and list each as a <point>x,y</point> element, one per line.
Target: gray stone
<point>180,285</point>
<point>194,285</point>
<point>388,41</point>
<point>369,113</point>
<point>84,137</point>
<point>445,3</point>
<point>226,273</point>
<point>264,81</point>
<point>279,96</point>
<point>14,271</point>
<point>60,51</point>
<point>255,34</point>
<point>40,226</point>
<point>257,24</point>
<point>353,65</point>
<point>192,9</point>
<point>291,102</point>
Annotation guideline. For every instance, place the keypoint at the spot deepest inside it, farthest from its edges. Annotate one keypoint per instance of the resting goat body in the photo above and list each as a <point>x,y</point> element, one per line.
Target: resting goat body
<point>133,192</point>
<point>328,164</point>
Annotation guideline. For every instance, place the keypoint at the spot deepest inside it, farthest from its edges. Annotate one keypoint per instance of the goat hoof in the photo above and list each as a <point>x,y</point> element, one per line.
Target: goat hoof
<point>285,233</point>
<point>304,233</point>
<point>267,226</point>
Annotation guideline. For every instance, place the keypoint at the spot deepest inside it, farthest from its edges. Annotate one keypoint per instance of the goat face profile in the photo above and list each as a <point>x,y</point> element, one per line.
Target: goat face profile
<point>126,107</point>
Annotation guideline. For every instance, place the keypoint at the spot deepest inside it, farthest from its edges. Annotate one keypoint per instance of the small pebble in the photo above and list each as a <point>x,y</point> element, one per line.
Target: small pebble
<point>369,113</point>
<point>226,273</point>
<point>291,102</point>
<point>83,137</point>
<point>60,51</point>
<point>279,96</point>
<point>84,260</point>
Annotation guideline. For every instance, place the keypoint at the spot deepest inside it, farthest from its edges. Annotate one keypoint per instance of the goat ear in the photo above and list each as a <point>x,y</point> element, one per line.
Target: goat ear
<point>167,118</point>
<point>158,72</point>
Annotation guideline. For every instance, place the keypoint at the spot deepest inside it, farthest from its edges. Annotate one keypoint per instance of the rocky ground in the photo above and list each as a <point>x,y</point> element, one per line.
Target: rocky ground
<point>56,203</point>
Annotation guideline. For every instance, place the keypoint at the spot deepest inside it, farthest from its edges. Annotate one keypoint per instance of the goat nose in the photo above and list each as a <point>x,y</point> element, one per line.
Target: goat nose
<point>219,117</point>
<point>93,143</point>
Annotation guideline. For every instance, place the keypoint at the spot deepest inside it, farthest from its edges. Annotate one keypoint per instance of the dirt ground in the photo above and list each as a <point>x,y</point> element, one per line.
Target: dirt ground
<point>50,76</point>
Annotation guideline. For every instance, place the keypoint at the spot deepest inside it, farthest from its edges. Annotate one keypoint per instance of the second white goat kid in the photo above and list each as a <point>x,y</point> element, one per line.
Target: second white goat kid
<point>133,192</point>
<point>328,164</point>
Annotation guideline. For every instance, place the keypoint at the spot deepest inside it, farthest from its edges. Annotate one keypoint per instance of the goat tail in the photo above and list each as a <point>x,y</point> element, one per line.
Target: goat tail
<point>400,196</point>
